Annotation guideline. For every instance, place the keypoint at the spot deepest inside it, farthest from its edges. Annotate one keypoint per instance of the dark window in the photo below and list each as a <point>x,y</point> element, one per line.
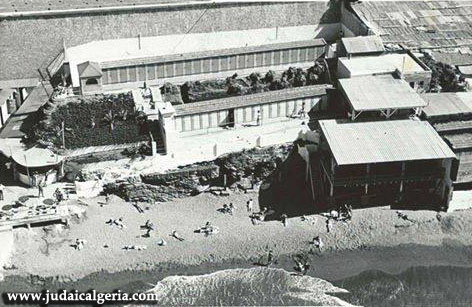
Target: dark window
<point>91,81</point>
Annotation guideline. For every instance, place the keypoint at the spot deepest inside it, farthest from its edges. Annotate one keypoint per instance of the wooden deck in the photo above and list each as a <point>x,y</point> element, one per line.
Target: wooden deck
<point>27,217</point>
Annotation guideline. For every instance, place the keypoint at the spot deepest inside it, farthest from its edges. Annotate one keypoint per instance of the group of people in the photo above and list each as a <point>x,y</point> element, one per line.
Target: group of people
<point>79,244</point>
<point>258,217</point>
<point>229,209</point>
<point>208,229</point>
<point>117,222</point>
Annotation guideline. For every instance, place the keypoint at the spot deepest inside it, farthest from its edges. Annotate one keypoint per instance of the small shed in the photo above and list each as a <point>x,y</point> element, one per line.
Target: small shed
<point>90,75</point>
<point>360,45</point>
<point>37,165</point>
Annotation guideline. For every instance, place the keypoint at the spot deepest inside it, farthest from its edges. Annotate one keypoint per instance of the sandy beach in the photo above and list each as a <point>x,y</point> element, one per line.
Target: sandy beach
<point>375,238</point>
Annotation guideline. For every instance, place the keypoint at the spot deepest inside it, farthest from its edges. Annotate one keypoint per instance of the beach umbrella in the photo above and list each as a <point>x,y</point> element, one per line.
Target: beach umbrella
<point>48,202</point>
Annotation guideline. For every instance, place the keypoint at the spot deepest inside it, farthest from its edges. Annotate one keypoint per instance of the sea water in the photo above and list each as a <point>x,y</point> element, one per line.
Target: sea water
<point>247,287</point>
<point>416,286</point>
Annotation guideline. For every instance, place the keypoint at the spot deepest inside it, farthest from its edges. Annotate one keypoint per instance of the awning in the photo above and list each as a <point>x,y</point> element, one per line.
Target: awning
<point>36,157</point>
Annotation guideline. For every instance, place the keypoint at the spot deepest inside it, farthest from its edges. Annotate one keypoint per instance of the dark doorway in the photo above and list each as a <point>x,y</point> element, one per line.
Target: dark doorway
<point>230,119</point>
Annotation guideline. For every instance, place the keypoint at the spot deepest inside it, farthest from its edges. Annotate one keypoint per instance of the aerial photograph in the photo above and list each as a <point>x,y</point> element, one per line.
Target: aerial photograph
<point>236,153</point>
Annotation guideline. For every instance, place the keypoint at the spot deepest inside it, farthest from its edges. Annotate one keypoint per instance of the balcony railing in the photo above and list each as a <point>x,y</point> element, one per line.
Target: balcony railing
<point>425,175</point>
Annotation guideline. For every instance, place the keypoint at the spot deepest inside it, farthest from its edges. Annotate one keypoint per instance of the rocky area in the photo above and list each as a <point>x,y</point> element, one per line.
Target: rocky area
<point>237,171</point>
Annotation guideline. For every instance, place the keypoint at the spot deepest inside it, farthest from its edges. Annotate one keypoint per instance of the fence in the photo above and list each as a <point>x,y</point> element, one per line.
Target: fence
<point>97,149</point>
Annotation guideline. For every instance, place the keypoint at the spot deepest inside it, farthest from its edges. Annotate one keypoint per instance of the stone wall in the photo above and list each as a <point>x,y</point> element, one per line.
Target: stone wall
<point>166,186</point>
<point>32,43</point>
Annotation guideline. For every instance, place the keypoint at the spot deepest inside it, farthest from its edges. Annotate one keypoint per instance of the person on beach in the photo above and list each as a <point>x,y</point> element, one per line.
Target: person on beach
<point>58,195</point>
<point>119,223</point>
<point>162,242</point>
<point>40,190</point>
<point>284,219</point>
<point>329,225</point>
<point>1,192</point>
<point>79,244</point>
<point>302,264</point>
<point>149,228</point>
<point>107,199</point>
<point>135,204</point>
<point>249,205</point>
<point>176,235</point>
<point>318,243</point>
<point>230,208</point>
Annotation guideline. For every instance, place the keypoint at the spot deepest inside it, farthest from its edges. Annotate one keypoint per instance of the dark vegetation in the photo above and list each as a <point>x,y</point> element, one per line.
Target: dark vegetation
<point>96,121</point>
<point>444,77</point>
<point>191,91</point>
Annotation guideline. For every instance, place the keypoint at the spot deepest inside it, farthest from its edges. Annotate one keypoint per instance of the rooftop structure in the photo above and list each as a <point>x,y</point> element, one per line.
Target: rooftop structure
<point>447,105</point>
<point>383,141</point>
<point>361,45</point>
<point>395,162</point>
<point>442,26</point>
<point>167,48</point>
<point>379,93</point>
<point>378,64</point>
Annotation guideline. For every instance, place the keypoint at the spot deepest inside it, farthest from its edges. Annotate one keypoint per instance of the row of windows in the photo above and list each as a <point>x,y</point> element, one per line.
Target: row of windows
<point>209,65</point>
<point>244,114</point>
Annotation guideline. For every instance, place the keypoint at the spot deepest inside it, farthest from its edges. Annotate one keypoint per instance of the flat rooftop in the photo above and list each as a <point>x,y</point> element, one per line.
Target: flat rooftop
<point>369,93</point>
<point>129,48</point>
<point>383,141</point>
<point>52,5</point>
<point>363,44</point>
<point>120,50</point>
<point>384,63</point>
<point>447,104</point>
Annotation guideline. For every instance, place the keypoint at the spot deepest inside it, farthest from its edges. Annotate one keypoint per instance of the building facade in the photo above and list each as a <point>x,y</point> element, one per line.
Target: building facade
<point>396,162</point>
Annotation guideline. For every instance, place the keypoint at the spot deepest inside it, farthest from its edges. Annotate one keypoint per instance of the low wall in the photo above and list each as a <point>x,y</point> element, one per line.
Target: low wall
<point>97,149</point>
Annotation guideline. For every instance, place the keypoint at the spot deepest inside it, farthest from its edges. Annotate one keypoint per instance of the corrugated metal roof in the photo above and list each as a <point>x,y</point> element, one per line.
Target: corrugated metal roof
<point>441,104</point>
<point>368,93</point>
<point>453,58</point>
<point>420,24</point>
<point>248,100</point>
<point>363,44</point>
<point>383,141</point>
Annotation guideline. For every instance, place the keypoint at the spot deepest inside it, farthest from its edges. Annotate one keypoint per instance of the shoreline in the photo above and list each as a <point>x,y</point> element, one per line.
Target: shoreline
<point>375,238</point>
<point>331,266</point>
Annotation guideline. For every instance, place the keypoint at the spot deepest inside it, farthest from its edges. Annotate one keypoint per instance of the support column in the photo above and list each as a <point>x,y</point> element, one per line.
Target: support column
<point>367,173</point>
<point>401,181</point>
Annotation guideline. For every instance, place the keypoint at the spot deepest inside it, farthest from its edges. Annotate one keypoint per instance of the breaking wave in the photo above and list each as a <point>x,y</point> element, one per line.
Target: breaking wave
<point>237,287</point>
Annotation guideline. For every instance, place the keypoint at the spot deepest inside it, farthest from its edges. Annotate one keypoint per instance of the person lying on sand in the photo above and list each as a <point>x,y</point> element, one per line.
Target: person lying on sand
<point>176,235</point>
<point>208,229</point>
<point>135,204</point>
<point>135,247</point>
<point>224,209</point>
<point>405,217</point>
